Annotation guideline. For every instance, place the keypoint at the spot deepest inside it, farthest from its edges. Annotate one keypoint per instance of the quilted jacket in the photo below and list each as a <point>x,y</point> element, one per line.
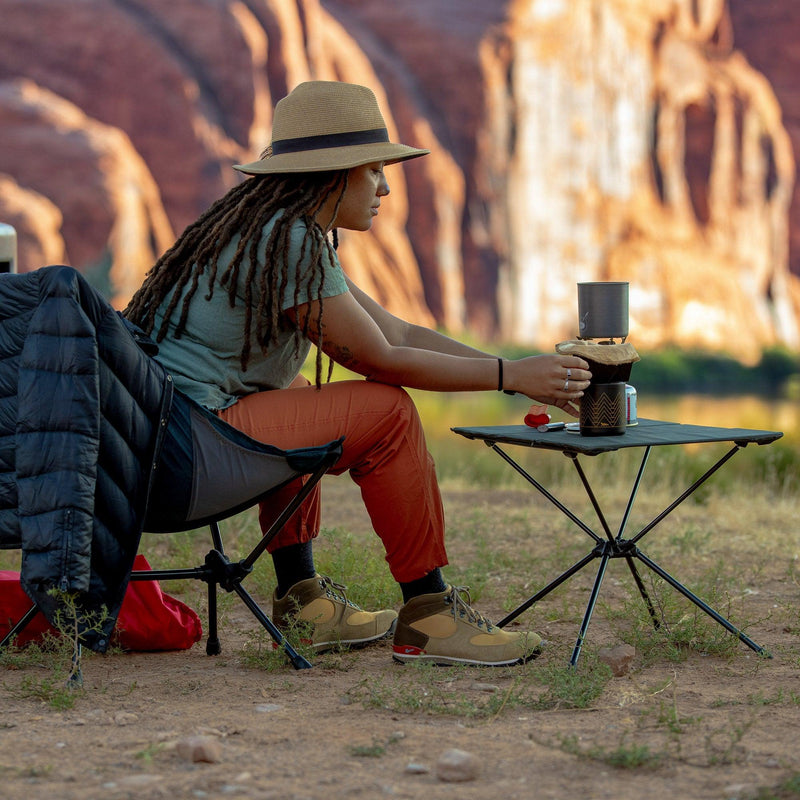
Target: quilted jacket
<point>82,411</point>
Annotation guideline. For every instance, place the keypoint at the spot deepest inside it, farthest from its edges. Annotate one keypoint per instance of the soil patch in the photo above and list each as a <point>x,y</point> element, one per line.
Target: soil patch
<point>701,725</point>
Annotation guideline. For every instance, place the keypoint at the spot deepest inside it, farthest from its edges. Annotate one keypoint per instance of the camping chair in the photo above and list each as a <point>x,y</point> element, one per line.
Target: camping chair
<point>191,468</point>
<point>209,471</point>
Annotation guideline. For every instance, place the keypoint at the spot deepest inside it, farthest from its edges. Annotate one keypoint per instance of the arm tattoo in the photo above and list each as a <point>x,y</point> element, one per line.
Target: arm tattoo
<point>344,356</point>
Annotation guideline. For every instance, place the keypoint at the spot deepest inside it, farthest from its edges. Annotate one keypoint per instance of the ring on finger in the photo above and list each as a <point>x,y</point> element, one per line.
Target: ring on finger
<point>566,385</point>
<point>569,373</point>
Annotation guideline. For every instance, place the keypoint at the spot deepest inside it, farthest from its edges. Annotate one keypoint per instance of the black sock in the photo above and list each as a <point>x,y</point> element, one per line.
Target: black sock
<point>293,564</point>
<point>428,584</point>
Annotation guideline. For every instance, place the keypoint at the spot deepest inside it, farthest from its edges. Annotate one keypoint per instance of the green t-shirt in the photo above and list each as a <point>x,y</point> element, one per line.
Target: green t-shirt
<point>205,361</point>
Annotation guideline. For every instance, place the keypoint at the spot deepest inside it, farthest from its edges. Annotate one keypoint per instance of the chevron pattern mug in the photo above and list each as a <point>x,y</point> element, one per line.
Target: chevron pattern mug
<point>603,410</point>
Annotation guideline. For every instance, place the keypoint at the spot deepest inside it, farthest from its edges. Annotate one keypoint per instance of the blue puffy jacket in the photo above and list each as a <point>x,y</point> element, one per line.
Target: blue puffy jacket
<point>82,414</point>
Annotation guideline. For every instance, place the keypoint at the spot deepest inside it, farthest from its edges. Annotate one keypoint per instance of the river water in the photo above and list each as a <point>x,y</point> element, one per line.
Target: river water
<point>741,411</point>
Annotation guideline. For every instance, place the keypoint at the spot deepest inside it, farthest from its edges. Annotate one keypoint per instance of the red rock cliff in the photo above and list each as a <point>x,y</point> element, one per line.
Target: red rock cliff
<point>640,140</point>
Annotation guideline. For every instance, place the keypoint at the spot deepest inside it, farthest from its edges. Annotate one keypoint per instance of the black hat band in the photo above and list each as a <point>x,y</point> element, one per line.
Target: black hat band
<point>324,141</point>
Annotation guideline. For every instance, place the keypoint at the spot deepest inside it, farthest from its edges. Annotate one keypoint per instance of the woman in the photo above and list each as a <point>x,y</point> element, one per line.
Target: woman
<point>235,305</point>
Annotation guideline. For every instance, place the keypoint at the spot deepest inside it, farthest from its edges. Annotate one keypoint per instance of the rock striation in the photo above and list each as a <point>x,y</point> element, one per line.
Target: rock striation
<point>76,190</point>
<point>572,140</point>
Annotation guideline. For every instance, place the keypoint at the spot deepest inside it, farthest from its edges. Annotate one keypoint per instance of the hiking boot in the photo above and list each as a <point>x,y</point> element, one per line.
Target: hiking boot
<point>444,629</point>
<point>320,606</point>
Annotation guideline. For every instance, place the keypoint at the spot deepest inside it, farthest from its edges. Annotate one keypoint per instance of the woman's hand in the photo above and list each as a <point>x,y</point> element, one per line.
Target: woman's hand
<point>554,380</point>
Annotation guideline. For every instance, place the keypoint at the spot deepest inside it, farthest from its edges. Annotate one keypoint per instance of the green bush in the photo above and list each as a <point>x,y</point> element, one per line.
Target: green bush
<point>672,371</point>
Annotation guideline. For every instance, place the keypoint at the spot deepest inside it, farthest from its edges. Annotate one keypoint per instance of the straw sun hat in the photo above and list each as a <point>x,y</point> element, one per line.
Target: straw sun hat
<point>328,125</point>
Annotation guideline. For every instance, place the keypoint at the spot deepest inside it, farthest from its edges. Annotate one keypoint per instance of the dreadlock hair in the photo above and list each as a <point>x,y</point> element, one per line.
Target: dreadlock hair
<point>243,212</point>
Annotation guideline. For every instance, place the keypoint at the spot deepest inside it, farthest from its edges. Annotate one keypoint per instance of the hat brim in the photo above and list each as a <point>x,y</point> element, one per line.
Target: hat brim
<point>331,158</point>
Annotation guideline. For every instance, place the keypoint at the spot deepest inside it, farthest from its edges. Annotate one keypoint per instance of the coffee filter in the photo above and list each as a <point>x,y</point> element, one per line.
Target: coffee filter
<point>611,354</point>
<point>608,363</point>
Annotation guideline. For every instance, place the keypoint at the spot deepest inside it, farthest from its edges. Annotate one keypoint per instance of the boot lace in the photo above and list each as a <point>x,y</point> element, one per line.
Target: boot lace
<point>336,591</point>
<point>461,601</point>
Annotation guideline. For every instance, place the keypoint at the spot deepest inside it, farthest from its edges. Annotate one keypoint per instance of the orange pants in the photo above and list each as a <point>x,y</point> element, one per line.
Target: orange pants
<point>384,449</point>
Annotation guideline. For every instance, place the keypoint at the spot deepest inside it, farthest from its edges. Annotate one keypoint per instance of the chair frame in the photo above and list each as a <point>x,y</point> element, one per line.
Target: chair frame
<point>219,571</point>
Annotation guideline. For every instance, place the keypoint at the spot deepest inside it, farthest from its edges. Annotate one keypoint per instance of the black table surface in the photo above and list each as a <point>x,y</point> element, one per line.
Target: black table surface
<point>646,433</point>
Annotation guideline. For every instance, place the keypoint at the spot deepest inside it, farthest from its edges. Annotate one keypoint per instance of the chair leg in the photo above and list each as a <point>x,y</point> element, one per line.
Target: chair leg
<point>219,572</point>
<point>75,677</point>
<point>213,647</point>
<point>298,662</point>
<point>19,627</point>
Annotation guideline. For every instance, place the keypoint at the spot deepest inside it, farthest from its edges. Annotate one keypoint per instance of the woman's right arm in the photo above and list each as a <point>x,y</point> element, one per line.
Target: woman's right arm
<point>352,338</point>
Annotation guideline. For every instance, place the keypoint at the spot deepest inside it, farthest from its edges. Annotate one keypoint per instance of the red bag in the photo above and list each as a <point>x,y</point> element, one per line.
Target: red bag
<point>148,620</point>
<point>13,605</point>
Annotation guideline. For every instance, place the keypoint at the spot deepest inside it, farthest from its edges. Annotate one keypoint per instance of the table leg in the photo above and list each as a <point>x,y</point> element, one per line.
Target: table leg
<point>601,571</point>
<point>590,494</point>
<point>633,492</point>
<point>555,501</point>
<point>549,588</point>
<point>643,592</point>
<point>689,595</point>
<point>672,506</point>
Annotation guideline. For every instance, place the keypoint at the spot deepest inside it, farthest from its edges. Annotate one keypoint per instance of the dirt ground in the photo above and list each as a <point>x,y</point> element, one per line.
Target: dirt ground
<point>357,725</point>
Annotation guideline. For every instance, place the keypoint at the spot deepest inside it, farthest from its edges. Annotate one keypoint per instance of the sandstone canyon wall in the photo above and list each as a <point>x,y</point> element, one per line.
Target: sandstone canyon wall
<point>642,140</point>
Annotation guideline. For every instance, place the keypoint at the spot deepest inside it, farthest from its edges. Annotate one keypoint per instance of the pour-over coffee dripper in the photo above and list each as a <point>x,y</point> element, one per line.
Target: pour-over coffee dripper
<point>603,315</point>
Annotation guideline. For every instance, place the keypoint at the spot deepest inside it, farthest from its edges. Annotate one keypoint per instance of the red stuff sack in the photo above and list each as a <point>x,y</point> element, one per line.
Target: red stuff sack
<point>148,620</point>
<point>14,603</point>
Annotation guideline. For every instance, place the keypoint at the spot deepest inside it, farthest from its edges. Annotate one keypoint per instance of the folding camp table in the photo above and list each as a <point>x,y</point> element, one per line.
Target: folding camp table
<point>608,545</point>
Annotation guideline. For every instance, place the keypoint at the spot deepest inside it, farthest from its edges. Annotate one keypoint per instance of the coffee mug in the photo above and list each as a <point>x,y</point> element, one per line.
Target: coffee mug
<point>603,410</point>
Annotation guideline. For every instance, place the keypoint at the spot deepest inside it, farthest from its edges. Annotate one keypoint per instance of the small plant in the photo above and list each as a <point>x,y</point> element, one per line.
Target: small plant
<point>150,752</point>
<point>683,627</point>
<point>53,654</point>
<point>262,652</point>
<point>787,790</point>
<point>444,691</point>
<point>672,719</point>
<point>67,622</point>
<point>629,757</point>
<point>722,745</point>
<point>622,756</point>
<point>52,690</point>
<point>691,541</point>
<point>375,750</point>
<point>780,698</point>
<point>48,653</point>
<point>59,653</point>
<point>571,687</point>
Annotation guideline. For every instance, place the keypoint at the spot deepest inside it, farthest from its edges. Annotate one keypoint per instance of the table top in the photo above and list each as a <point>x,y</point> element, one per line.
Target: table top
<point>647,433</point>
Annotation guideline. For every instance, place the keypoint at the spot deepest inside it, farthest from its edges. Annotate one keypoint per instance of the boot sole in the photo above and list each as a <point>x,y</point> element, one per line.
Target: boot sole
<point>348,644</point>
<point>451,661</point>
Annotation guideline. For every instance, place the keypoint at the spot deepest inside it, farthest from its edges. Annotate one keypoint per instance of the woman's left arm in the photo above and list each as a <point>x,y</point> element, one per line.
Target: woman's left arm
<point>399,332</point>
